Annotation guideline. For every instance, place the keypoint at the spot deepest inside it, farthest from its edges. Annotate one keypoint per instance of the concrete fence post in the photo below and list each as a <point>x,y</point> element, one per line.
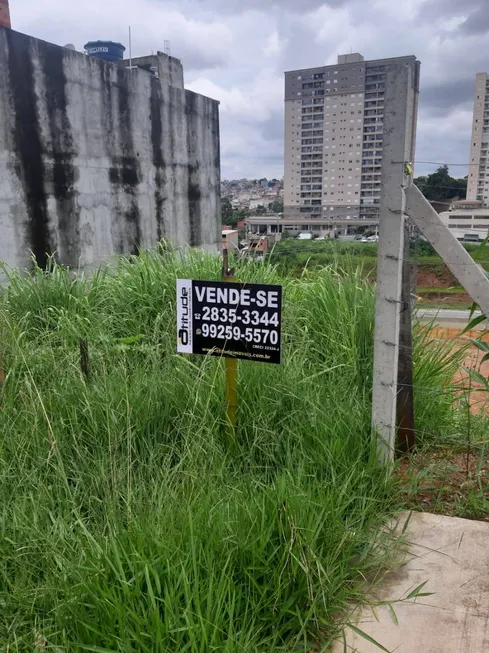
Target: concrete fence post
<point>454,254</point>
<point>399,123</point>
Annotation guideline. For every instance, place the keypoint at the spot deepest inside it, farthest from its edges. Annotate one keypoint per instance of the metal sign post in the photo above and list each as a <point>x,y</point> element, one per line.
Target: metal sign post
<point>231,320</point>
<point>231,367</point>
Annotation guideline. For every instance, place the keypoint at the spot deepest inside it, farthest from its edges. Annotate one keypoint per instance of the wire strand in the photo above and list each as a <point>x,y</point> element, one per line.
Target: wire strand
<point>441,163</point>
<point>353,257</point>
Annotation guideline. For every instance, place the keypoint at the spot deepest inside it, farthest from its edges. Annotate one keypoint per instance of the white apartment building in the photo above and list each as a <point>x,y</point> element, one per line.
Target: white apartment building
<point>334,137</point>
<point>467,219</point>
<point>478,182</point>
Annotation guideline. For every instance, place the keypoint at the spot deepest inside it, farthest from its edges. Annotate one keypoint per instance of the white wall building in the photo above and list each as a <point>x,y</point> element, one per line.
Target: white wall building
<point>467,219</point>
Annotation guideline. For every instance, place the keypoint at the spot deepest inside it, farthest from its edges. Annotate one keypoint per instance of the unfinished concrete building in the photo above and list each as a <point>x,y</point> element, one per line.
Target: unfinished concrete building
<point>97,158</point>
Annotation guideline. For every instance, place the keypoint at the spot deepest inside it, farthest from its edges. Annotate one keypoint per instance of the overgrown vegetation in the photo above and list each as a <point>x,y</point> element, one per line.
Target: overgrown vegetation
<point>440,186</point>
<point>298,256</point>
<point>293,255</point>
<point>129,524</point>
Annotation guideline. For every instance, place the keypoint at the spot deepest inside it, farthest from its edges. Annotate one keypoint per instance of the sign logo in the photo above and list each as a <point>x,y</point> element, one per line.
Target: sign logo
<point>184,316</point>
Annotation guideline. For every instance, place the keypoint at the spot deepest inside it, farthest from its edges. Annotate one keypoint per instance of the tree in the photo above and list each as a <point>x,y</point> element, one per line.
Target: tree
<point>440,186</point>
<point>226,210</point>
<point>277,206</point>
<point>260,210</point>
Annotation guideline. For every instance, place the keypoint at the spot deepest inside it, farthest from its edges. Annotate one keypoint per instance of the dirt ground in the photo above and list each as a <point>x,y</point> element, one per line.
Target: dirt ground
<point>440,298</point>
<point>479,398</point>
<point>441,278</point>
<point>447,482</point>
<point>440,281</point>
<point>453,480</point>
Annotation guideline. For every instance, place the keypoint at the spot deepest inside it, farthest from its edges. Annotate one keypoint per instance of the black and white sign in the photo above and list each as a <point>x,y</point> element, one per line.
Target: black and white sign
<point>237,320</point>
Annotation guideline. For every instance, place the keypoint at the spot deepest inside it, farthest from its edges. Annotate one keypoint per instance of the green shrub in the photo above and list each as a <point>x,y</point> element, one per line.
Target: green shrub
<point>128,523</point>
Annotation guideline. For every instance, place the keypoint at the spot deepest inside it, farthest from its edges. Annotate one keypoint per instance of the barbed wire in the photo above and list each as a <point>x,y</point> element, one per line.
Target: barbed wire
<point>427,184</point>
<point>317,250</point>
<point>441,163</point>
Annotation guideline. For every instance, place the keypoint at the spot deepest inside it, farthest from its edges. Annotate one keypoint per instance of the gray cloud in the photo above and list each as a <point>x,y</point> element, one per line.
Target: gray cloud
<point>474,12</point>
<point>449,94</point>
<point>272,129</point>
<point>293,6</point>
<point>478,21</point>
<point>303,50</point>
<point>237,51</point>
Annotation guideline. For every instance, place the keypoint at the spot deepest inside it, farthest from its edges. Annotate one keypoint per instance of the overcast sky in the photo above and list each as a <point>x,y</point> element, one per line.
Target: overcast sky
<point>236,51</point>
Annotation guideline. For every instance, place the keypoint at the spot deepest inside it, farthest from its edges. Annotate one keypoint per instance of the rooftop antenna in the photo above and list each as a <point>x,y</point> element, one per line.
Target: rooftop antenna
<point>167,48</point>
<point>130,49</point>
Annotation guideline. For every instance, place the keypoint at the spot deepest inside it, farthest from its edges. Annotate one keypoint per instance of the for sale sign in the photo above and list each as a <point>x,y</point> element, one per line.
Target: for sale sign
<point>236,320</point>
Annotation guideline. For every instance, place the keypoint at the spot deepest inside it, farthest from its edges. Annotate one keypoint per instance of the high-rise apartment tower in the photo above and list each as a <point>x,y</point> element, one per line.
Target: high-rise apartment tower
<point>334,136</point>
<point>478,182</point>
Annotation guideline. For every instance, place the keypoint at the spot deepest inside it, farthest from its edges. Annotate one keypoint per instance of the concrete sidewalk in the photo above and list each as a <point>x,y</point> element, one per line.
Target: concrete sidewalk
<point>452,555</point>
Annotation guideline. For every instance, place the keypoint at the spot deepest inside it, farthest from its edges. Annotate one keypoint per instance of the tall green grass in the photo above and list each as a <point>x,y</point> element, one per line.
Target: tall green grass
<point>127,522</point>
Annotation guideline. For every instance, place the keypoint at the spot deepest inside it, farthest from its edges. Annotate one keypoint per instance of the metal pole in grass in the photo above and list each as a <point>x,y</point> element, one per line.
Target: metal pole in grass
<point>84,358</point>
<point>405,396</point>
<point>231,365</point>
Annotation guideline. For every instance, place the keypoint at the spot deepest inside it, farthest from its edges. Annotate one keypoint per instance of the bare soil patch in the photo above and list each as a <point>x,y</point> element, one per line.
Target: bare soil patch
<point>447,482</point>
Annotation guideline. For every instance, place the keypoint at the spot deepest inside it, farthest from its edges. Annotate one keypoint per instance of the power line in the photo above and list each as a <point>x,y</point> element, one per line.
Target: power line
<point>442,163</point>
<point>425,183</point>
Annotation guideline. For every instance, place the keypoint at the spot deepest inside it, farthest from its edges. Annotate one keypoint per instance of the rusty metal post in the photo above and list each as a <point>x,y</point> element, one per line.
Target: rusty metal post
<point>231,365</point>
<point>405,398</point>
<point>84,358</point>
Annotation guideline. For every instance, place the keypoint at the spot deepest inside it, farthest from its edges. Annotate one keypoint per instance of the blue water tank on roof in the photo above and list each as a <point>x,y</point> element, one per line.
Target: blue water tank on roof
<point>106,50</point>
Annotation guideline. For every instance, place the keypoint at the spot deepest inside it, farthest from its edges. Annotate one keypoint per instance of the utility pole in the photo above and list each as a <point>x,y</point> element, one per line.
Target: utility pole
<point>399,122</point>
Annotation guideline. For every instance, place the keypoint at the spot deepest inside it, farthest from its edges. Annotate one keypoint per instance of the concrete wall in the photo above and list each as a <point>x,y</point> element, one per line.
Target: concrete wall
<point>96,160</point>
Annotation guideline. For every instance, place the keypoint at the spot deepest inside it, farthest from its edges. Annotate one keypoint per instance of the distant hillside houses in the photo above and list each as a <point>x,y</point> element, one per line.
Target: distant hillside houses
<point>246,194</point>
